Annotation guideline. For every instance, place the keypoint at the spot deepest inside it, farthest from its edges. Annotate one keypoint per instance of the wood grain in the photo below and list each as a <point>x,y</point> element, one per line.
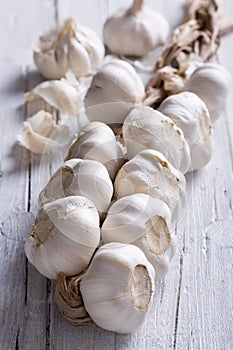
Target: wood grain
<point>193,305</point>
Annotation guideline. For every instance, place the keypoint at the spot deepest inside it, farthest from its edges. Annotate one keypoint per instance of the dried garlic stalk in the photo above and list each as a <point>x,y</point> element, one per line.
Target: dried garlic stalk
<point>197,38</point>
<point>69,301</point>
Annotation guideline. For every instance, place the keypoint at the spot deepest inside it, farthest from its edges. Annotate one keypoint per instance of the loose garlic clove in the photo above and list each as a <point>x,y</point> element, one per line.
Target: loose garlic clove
<point>147,128</point>
<point>211,82</point>
<point>135,31</point>
<point>64,237</point>
<point>97,141</point>
<point>68,47</point>
<point>115,90</point>
<point>149,172</point>
<point>145,222</point>
<point>118,287</point>
<point>66,95</point>
<point>41,134</point>
<point>78,177</point>
<point>190,114</point>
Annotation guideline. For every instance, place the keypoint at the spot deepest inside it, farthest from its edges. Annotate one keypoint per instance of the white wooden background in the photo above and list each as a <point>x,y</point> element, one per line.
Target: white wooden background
<point>193,306</point>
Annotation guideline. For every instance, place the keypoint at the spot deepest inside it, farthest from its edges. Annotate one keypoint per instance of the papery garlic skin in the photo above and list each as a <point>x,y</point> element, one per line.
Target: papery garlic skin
<point>145,222</point>
<point>190,114</point>
<point>64,95</point>
<point>68,298</point>
<point>96,141</point>
<point>146,128</point>
<point>68,47</point>
<point>116,81</point>
<point>64,237</point>
<point>211,82</point>
<point>41,134</point>
<point>79,177</point>
<point>118,287</point>
<point>149,172</point>
<point>135,31</point>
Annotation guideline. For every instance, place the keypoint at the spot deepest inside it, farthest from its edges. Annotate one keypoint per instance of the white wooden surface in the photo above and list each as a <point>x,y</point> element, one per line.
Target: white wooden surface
<point>194,305</point>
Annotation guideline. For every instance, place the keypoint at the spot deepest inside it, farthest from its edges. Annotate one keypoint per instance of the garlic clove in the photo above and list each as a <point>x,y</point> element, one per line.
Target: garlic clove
<point>190,114</point>
<point>96,141</point>
<point>147,128</point>
<point>64,237</point>
<point>64,95</point>
<point>78,177</point>
<point>149,172</point>
<point>116,87</point>
<point>145,222</point>
<point>135,31</point>
<point>211,82</point>
<point>68,47</point>
<point>118,287</point>
<point>41,134</point>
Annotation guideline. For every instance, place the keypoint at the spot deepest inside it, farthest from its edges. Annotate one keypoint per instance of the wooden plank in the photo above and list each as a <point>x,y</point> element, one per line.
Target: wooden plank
<point>89,13</point>
<point>23,296</point>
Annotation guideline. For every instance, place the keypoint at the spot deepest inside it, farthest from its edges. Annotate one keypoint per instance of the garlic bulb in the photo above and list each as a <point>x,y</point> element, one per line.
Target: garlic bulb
<point>211,82</point>
<point>114,91</point>
<point>118,287</point>
<point>135,31</point>
<point>147,128</point>
<point>190,114</point>
<point>97,141</point>
<point>145,222</point>
<point>64,237</point>
<point>66,95</point>
<point>78,177</point>
<point>149,172</point>
<point>41,134</point>
<point>68,47</point>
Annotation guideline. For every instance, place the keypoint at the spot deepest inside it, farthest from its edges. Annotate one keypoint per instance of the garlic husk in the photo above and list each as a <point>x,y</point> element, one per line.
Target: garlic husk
<point>118,287</point>
<point>211,82</point>
<point>146,128</point>
<point>135,31</point>
<point>149,172</point>
<point>116,87</point>
<point>41,134</point>
<point>96,141</point>
<point>68,47</point>
<point>145,222</point>
<point>64,237</point>
<point>66,95</point>
<point>68,298</point>
<point>79,177</point>
<point>190,114</point>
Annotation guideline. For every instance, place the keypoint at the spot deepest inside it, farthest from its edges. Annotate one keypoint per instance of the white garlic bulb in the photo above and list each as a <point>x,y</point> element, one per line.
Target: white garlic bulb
<point>145,222</point>
<point>146,128</point>
<point>135,31</point>
<point>79,177</point>
<point>149,172</point>
<point>114,91</point>
<point>97,141</point>
<point>211,82</point>
<point>190,114</point>
<point>41,134</point>
<point>64,237</point>
<point>68,47</point>
<point>118,287</point>
<point>66,95</point>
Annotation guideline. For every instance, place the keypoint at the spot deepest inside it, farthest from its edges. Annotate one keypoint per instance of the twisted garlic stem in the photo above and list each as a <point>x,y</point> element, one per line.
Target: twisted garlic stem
<point>137,6</point>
